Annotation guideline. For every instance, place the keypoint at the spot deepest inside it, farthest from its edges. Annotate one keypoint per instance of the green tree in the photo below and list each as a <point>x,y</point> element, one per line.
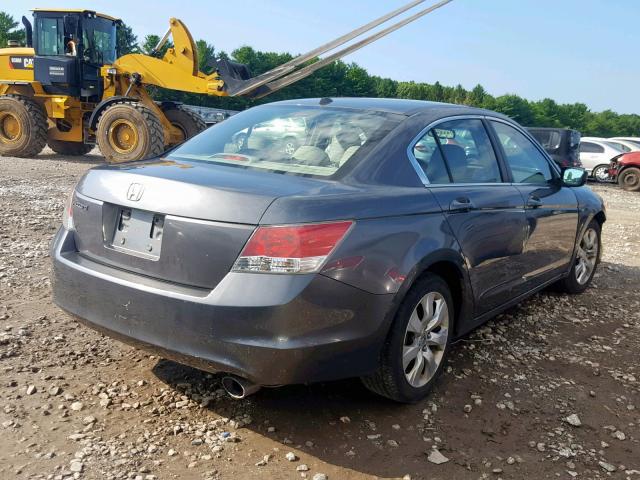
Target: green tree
<point>9,31</point>
<point>149,43</point>
<point>126,41</point>
<point>206,53</point>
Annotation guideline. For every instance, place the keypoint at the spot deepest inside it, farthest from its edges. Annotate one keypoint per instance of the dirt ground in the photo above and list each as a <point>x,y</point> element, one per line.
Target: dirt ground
<point>550,389</point>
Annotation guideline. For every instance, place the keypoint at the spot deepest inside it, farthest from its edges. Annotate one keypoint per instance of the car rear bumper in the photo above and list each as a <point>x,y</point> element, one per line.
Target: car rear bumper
<point>270,329</point>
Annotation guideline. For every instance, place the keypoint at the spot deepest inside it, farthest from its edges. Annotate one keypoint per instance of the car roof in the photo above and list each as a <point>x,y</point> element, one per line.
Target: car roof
<point>391,105</point>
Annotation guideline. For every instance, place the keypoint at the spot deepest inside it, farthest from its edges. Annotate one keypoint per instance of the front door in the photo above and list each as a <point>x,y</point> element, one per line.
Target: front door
<point>551,210</point>
<point>484,213</point>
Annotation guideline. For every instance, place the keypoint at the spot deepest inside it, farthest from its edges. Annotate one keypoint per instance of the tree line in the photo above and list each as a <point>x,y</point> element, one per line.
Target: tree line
<point>349,79</point>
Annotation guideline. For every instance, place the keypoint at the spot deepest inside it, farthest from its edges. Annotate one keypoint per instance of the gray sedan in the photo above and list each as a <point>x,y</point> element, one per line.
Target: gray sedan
<point>394,227</point>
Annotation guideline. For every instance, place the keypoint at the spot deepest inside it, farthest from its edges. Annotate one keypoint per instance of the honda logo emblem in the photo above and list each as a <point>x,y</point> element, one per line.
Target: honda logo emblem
<point>135,192</point>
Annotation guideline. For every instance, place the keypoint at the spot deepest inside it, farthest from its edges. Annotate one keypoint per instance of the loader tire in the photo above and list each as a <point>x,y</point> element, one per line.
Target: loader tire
<point>129,131</point>
<point>70,148</point>
<point>185,120</point>
<point>23,126</point>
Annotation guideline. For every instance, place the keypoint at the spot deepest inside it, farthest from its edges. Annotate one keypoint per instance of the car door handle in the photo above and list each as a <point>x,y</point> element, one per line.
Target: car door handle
<point>534,201</point>
<point>461,204</point>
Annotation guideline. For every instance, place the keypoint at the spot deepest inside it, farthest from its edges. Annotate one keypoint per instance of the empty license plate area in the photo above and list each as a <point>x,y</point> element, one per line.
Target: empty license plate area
<point>138,233</point>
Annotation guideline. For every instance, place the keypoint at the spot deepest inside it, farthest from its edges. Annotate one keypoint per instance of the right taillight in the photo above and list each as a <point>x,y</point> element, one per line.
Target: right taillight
<point>290,248</point>
<point>67,214</point>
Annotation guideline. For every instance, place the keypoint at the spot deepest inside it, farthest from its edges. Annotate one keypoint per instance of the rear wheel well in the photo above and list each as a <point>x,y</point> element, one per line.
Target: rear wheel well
<point>451,274</point>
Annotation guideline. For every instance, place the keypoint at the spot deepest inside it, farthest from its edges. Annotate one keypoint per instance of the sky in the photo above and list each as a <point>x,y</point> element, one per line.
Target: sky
<point>568,50</point>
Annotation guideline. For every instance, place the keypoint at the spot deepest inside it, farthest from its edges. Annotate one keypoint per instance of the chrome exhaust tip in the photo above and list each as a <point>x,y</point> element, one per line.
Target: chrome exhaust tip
<point>238,388</point>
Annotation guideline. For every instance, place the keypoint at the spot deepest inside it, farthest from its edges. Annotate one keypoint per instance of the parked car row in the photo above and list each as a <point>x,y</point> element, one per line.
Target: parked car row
<point>605,159</point>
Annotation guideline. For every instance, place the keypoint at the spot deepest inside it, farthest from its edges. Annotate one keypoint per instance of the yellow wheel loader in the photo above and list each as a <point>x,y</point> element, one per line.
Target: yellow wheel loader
<point>68,89</point>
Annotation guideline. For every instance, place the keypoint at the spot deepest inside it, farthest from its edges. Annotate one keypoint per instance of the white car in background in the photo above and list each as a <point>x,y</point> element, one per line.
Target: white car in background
<point>624,145</point>
<point>632,142</point>
<point>595,156</point>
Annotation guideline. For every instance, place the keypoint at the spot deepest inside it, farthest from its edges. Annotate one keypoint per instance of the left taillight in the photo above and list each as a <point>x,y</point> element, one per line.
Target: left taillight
<point>67,214</point>
<point>290,248</point>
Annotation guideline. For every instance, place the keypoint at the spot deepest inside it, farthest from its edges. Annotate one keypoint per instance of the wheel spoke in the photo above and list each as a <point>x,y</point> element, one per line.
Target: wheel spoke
<point>438,315</point>
<point>415,325</point>
<point>580,269</point>
<point>427,308</point>
<point>439,338</point>
<point>431,364</point>
<point>416,371</point>
<point>409,353</point>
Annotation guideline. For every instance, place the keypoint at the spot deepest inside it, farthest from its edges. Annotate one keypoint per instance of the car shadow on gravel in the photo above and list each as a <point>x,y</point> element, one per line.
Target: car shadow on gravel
<point>340,423</point>
<point>93,158</point>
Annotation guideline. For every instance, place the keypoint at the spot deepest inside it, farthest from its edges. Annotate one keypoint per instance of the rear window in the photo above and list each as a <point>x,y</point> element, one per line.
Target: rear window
<point>296,140</point>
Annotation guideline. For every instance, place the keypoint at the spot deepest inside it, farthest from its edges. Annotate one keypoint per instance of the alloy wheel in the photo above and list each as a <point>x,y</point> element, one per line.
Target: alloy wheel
<point>425,339</point>
<point>601,174</point>
<point>587,256</point>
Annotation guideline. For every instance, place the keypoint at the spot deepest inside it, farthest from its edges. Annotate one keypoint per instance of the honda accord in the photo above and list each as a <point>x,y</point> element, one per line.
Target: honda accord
<point>393,228</point>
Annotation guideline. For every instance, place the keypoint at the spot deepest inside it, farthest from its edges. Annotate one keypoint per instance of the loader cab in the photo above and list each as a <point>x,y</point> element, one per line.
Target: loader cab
<point>70,48</point>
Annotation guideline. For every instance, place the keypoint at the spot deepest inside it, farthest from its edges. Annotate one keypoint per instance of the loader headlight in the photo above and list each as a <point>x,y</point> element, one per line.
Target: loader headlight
<point>112,71</point>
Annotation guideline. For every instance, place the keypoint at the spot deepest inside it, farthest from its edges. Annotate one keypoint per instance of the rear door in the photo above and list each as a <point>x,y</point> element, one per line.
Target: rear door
<point>551,209</point>
<point>485,213</point>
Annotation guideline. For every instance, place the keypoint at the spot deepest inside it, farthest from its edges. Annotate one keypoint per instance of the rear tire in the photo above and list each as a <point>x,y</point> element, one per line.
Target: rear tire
<point>185,120</point>
<point>588,256</point>
<point>629,179</point>
<point>129,131</point>
<point>411,362</point>
<point>70,148</point>
<point>23,126</point>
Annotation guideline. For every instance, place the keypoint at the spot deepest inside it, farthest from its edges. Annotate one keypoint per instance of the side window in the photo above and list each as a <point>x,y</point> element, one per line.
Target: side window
<point>468,152</point>
<point>588,147</point>
<point>50,41</point>
<point>527,164</point>
<point>427,153</point>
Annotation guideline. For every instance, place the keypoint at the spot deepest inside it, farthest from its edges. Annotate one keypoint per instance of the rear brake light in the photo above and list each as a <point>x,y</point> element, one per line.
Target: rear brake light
<point>67,214</point>
<point>290,248</point>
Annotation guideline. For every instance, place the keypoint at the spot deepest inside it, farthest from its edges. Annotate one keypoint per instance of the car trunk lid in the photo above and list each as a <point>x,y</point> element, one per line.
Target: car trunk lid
<point>182,222</point>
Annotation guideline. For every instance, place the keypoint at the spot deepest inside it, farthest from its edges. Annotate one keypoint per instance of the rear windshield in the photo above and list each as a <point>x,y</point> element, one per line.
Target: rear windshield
<point>297,140</point>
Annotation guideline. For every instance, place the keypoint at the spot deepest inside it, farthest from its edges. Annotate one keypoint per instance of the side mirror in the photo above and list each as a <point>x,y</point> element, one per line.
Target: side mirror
<point>574,177</point>
<point>71,25</point>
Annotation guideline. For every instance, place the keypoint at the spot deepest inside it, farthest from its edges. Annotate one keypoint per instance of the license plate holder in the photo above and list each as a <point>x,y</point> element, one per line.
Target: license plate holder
<point>138,233</point>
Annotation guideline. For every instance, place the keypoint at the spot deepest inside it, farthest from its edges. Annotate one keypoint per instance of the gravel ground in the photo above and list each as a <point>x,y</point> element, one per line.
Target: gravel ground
<point>550,389</point>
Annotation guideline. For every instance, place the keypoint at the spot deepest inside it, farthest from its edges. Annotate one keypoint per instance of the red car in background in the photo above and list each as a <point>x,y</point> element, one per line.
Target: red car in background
<point>626,170</point>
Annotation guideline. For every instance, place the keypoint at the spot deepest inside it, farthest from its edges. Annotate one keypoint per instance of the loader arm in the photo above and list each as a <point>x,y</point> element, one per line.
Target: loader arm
<point>176,70</point>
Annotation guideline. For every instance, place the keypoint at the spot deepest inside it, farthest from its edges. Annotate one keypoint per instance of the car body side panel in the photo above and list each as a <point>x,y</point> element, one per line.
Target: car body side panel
<point>589,206</point>
<point>378,254</point>
<point>551,231</point>
<point>491,234</point>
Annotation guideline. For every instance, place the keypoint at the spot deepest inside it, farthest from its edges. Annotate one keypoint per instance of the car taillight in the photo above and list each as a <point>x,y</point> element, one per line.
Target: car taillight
<point>67,214</point>
<point>290,248</point>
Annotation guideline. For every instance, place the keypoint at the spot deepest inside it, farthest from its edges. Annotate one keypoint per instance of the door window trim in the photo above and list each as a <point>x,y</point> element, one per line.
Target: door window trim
<point>505,172</point>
